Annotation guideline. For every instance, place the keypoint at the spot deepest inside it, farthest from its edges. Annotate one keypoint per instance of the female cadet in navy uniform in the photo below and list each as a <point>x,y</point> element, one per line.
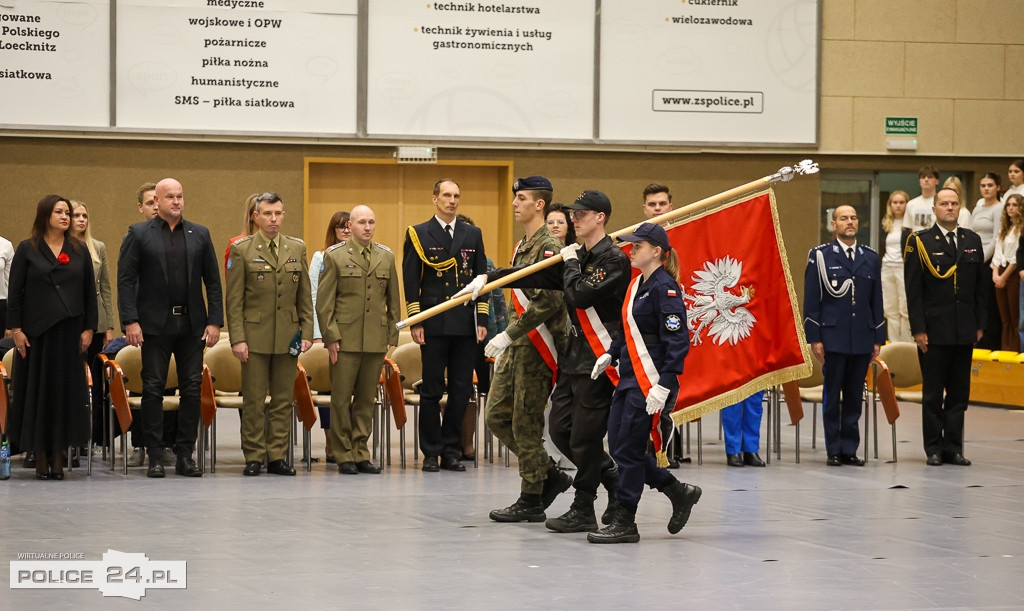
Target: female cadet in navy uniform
<point>650,354</point>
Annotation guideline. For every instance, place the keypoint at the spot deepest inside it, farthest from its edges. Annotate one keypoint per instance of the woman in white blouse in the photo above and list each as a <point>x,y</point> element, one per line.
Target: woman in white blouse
<point>337,231</point>
<point>1004,271</point>
<point>985,222</point>
<point>894,291</point>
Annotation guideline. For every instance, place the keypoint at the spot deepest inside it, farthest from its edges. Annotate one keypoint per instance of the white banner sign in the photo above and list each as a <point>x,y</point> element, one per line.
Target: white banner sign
<point>237,65</point>
<point>709,71</point>
<point>486,68</point>
<point>55,63</point>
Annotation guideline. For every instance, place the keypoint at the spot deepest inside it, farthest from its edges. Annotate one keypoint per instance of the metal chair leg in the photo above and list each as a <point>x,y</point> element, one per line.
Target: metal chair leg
<point>814,425</point>
<point>769,430</point>
<point>700,443</point>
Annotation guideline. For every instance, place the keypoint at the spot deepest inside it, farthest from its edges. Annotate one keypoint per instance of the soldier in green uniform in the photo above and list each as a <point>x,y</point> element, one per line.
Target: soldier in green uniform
<point>525,372</point>
<point>270,318</point>
<point>357,306</point>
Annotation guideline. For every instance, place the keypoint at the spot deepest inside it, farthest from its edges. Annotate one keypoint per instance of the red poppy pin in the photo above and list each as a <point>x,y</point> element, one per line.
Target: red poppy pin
<point>63,258</point>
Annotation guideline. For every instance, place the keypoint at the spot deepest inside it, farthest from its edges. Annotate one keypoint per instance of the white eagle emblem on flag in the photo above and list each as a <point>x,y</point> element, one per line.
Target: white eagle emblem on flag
<point>715,309</point>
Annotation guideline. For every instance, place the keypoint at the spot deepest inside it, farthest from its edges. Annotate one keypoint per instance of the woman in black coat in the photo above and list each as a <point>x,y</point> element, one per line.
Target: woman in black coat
<point>51,312</point>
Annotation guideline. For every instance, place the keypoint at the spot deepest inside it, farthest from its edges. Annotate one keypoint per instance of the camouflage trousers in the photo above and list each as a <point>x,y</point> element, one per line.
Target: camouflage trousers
<point>515,411</point>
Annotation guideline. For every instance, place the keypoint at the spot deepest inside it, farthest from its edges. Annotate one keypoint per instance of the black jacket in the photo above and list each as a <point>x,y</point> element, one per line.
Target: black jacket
<point>142,278</point>
<point>44,291</point>
<point>426,286</point>
<point>597,278</point>
<point>949,310</point>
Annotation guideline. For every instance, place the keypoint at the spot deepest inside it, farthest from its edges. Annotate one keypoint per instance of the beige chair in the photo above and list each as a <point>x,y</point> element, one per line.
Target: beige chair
<point>812,389</point>
<point>901,357</point>
<point>5,396</point>
<point>407,358</point>
<point>404,337</point>
<point>226,377</point>
<point>317,363</point>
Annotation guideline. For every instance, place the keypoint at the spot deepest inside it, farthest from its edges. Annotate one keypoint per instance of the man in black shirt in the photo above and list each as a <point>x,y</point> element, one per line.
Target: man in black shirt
<point>164,264</point>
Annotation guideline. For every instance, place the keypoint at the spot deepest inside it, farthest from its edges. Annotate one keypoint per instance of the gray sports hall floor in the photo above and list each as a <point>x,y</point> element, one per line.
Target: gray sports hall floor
<point>807,536</point>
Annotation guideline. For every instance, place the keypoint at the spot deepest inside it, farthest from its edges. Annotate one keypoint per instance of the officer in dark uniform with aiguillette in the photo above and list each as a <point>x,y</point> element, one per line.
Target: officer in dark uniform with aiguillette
<point>845,325</point>
<point>440,257</point>
<point>270,319</point>
<point>941,266</point>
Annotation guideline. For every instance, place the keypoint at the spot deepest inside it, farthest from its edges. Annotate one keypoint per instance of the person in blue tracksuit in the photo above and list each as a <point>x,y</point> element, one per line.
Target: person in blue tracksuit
<point>741,426</point>
<point>650,354</point>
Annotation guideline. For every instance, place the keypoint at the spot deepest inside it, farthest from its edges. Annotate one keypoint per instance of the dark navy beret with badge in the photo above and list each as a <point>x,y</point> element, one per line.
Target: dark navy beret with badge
<point>530,183</point>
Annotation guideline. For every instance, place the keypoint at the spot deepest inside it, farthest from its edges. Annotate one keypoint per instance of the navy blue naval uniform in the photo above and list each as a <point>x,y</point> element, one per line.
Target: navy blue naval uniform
<point>450,336</point>
<point>660,315</point>
<point>849,325</point>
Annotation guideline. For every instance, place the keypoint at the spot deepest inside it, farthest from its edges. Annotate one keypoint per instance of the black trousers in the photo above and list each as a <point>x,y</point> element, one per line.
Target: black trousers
<point>454,355</point>
<point>944,369</point>
<point>95,367</point>
<point>578,422</point>
<point>843,399</point>
<point>187,348</point>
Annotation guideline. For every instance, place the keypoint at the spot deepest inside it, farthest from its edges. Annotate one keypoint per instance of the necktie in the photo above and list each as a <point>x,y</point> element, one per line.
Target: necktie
<point>451,231</point>
<point>366,256</point>
<point>849,253</point>
<point>273,251</point>
<point>952,240</point>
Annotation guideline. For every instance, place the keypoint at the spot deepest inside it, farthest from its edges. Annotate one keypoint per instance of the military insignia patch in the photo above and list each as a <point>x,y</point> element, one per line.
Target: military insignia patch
<point>229,263</point>
<point>672,322</point>
<point>671,292</point>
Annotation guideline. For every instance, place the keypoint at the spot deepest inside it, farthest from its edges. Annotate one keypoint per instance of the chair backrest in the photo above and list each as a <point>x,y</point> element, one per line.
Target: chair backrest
<point>407,357</point>
<point>225,369</point>
<point>817,378</point>
<point>901,357</point>
<point>9,360</point>
<point>305,411</point>
<point>130,360</point>
<point>317,362</point>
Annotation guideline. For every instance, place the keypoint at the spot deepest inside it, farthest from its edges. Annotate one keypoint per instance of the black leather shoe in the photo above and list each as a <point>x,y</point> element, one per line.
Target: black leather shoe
<point>934,460</point>
<point>527,508</point>
<point>29,462</point>
<point>734,460</point>
<point>365,466</point>
<point>252,468</point>
<point>683,497</point>
<point>556,483</point>
<point>751,459</point>
<point>621,530</point>
<point>450,463</point>
<point>280,467</point>
<point>156,469</point>
<point>851,459</point>
<point>468,456</point>
<point>348,468</point>
<point>187,467</point>
<point>833,461</point>
<point>957,459</point>
<point>579,518</point>
<point>430,464</point>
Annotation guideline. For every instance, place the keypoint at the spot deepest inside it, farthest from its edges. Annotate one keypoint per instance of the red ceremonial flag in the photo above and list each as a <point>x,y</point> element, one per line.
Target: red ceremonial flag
<point>741,308</point>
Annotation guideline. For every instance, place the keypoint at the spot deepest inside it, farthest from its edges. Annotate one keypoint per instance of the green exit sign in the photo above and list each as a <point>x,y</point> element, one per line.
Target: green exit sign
<point>901,125</point>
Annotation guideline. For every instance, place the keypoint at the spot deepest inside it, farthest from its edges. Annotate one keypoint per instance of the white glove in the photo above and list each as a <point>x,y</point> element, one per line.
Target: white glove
<point>569,251</point>
<point>602,363</point>
<point>497,345</point>
<point>473,287</point>
<point>656,399</point>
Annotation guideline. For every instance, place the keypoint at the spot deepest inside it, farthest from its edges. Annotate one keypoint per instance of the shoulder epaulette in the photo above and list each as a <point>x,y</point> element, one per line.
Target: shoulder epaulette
<point>294,239</point>
<point>330,248</point>
<point>868,248</point>
<point>384,247</point>
<point>244,239</point>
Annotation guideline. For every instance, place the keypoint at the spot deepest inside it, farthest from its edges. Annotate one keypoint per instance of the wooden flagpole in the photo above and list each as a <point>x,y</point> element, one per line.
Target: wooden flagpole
<point>785,174</point>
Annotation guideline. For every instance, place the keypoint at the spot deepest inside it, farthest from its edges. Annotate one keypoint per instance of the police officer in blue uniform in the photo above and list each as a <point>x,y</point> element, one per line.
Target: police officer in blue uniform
<point>650,354</point>
<point>845,325</point>
<point>440,257</point>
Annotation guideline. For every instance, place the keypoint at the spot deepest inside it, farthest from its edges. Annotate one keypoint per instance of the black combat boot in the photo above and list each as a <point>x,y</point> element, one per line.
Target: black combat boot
<point>526,509</point>
<point>557,482</point>
<point>579,518</point>
<point>621,530</point>
<point>683,497</point>
<point>610,481</point>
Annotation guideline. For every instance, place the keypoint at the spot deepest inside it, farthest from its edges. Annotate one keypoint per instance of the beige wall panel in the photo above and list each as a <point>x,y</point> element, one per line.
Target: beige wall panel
<point>853,68</point>
<point>837,20</point>
<point>836,124</point>
<point>989,128</point>
<point>954,71</point>
<point>1014,64</point>
<point>935,118</point>
<point>989,21</point>
<point>921,20</point>
<point>337,187</point>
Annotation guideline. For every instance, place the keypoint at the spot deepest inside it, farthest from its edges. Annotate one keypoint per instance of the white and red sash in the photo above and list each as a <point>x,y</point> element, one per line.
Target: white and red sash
<point>643,367</point>
<point>598,337</point>
<point>540,335</point>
